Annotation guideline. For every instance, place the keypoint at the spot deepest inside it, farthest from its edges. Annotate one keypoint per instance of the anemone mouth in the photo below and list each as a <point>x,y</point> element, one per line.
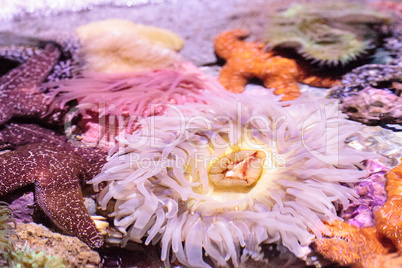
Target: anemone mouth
<point>199,195</point>
<point>238,168</point>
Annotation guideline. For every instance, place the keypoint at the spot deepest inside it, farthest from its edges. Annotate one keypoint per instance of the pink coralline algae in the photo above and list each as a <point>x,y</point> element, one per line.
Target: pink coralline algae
<point>372,105</point>
<point>372,196</point>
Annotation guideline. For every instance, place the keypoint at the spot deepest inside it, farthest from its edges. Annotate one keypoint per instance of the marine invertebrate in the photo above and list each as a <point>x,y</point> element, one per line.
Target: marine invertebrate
<point>113,103</point>
<point>19,93</point>
<point>122,46</point>
<point>246,60</point>
<point>41,157</point>
<point>30,257</point>
<point>228,176</point>
<point>360,247</point>
<point>328,33</point>
<point>21,48</point>
<point>388,218</point>
<point>18,53</point>
<point>6,230</point>
<point>370,246</point>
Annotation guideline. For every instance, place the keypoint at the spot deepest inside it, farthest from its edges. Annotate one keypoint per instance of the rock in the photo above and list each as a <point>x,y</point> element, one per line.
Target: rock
<point>23,208</point>
<point>71,250</point>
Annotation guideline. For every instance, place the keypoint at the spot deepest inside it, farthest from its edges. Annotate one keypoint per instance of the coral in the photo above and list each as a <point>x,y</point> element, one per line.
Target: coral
<point>174,185</point>
<point>31,245</point>
<point>246,60</point>
<point>330,33</point>
<point>384,142</point>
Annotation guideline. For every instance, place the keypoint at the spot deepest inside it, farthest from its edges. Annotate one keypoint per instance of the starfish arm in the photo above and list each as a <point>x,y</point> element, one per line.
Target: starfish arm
<point>33,71</point>
<point>95,159</point>
<point>232,79</point>
<point>16,171</point>
<point>14,135</point>
<point>22,104</point>
<point>65,207</point>
<point>348,244</point>
<point>227,43</point>
<point>389,217</point>
<point>6,110</point>
<point>310,77</point>
<point>19,96</point>
<point>58,192</point>
<point>289,89</point>
<point>57,172</point>
<point>317,81</point>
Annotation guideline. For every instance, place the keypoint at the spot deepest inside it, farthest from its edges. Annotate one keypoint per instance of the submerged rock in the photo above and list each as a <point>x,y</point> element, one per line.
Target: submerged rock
<point>71,250</point>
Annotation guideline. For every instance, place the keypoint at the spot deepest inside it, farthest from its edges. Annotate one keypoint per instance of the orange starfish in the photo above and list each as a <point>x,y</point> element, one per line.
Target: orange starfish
<point>246,60</point>
<point>372,246</point>
<point>389,217</point>
<point>349,244</point>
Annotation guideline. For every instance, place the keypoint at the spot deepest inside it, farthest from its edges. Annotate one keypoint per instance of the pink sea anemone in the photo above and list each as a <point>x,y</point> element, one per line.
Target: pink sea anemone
<point>222,179</point>
<point>113,103</point>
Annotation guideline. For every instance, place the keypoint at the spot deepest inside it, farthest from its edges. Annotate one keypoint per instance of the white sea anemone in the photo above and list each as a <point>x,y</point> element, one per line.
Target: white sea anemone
<point>114,46</point>
<point>224,178</point>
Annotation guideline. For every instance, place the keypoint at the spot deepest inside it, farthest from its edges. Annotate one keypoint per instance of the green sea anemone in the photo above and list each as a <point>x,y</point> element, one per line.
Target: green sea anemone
<point>6,231</point>
<point>27,257</point>
<point>328,33</point>
<point>24,257</point>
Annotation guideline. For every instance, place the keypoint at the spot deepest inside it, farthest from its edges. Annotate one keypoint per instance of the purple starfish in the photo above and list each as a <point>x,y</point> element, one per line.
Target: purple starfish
<point>41,157</point>
<point>57,169</point>
<point>19,92</point>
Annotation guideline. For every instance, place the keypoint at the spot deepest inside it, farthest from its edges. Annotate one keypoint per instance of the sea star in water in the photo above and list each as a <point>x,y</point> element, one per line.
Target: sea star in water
<point>246,60</point>
<point>57,168</point>
<point>19,93</point>
<point>40,156</point>
<point>370,246</point>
